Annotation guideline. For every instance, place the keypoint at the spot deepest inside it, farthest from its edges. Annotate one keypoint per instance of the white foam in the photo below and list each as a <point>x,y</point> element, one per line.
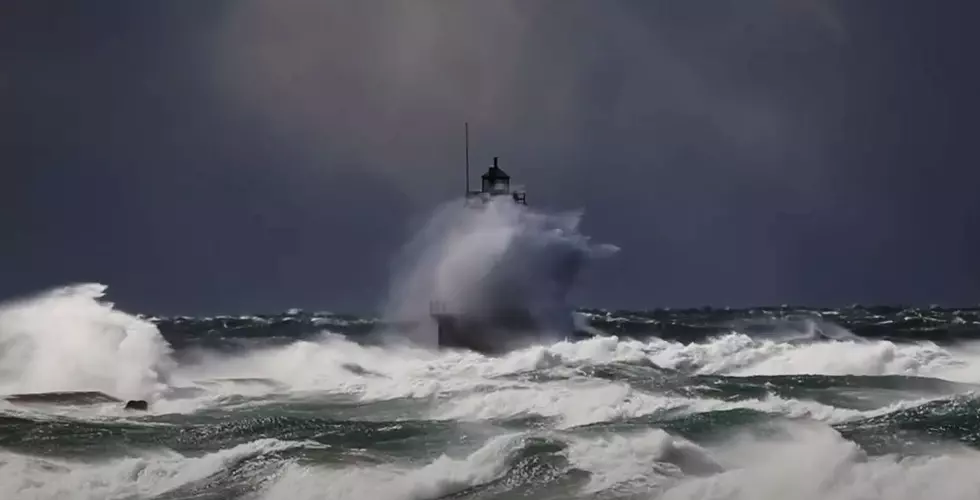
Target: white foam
<point>154,473</point>
<point>644,461</point>
<point>69,340</point>
<point>443,476</point>
<point>742,355</point>
<point>804,461</point>
<point>402,372</point>
<point>334,364</point>
<point>813,462</point>
<point>576,403</point>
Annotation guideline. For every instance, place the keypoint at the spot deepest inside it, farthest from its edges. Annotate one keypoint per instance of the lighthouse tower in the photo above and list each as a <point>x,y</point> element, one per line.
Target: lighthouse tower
<point>495,183</point>
<point>509,312</point>
<point>485,331</point>
<point>503,316</point>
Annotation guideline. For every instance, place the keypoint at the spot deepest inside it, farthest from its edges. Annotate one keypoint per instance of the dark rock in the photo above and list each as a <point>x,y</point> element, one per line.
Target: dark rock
<point>137,404</point>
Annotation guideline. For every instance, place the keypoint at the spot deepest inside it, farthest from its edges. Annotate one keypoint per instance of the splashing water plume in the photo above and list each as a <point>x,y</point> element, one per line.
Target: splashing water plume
<point>480,258</point>
<point>69,340</point>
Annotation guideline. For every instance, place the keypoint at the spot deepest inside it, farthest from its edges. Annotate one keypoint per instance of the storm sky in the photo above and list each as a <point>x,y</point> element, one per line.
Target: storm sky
<point>226,157</point>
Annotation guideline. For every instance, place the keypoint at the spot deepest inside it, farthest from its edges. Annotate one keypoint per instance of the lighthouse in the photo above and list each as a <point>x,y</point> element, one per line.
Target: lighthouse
<point>494,183</point>
<point>503,317</point>
<point>506,312</point>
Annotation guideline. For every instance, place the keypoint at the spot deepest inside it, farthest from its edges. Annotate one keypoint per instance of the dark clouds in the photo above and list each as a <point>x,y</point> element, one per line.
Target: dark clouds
<point>233,156</point>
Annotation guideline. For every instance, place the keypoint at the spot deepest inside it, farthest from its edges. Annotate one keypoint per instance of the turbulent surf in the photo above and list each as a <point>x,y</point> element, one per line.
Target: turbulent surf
<point>857,403</point>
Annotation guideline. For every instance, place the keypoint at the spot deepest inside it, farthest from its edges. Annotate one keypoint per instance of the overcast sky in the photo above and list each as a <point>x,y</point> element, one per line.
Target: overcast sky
<point>221,157</point>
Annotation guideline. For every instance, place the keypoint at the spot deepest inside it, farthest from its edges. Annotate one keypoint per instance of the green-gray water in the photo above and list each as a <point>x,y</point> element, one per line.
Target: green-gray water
<point>860,403</point>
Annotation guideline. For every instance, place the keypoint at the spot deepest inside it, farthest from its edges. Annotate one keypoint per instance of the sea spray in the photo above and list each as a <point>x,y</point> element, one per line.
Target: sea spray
<point>68,340</point>
<point>470,259</point>
<point>609,417</point>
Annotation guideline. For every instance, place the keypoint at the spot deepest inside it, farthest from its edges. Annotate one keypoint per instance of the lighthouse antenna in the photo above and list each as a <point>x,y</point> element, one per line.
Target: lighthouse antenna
<point>467,140</point>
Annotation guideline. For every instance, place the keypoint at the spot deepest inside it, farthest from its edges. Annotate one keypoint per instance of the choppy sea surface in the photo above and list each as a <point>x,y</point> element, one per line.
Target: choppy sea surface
<point>765,403</point>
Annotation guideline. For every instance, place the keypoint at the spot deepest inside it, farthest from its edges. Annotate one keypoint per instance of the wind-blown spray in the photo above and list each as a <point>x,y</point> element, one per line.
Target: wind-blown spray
<point>476,259</point>
<point>68,340</point>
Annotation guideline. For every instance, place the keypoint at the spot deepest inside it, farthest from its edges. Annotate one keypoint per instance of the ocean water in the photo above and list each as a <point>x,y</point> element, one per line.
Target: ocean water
<point>768,403</point>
